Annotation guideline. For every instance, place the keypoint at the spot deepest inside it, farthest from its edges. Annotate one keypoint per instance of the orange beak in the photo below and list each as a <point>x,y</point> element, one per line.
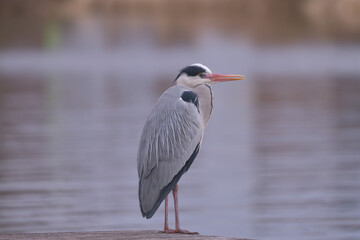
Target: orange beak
<point>223,77</point>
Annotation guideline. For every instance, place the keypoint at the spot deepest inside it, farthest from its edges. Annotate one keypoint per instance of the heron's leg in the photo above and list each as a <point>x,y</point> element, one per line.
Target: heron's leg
<point>166,225</point>
<point>177,222</point>
<point>175,192</point>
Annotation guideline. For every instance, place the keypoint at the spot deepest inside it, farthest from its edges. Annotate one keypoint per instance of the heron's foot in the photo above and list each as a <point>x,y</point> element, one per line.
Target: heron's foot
<point>167,230</point>
<point>181,231</point>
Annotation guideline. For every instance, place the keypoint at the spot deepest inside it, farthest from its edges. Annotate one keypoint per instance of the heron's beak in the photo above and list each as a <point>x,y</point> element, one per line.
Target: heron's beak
<point>224,77</point>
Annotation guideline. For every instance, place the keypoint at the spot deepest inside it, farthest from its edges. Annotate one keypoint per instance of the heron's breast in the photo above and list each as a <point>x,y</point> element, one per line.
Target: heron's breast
<point>205,96</point>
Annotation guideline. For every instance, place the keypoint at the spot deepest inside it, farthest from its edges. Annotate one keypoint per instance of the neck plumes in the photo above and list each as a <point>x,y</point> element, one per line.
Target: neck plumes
<point>205,97</point>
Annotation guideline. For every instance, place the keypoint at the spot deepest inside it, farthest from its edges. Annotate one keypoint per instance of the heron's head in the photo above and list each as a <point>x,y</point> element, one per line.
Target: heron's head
<point>197,74</point>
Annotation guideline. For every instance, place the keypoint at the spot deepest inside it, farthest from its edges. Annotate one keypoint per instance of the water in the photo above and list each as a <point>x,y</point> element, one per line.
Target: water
<point>280,158</point>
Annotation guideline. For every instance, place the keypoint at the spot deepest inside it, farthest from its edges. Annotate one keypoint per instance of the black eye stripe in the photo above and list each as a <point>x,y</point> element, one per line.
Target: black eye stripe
<point>191,71</point>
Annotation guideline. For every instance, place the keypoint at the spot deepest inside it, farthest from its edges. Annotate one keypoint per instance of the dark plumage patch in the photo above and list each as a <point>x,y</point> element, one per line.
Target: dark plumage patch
<point>191,97</point>
<point>167,189</point>
<point>191,71</point>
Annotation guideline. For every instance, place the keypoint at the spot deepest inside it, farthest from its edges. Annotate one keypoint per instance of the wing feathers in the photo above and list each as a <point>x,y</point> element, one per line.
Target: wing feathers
<point>170,136</point>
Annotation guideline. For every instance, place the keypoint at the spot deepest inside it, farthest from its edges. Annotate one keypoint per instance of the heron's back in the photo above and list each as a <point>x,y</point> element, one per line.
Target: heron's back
<point>169,144</point>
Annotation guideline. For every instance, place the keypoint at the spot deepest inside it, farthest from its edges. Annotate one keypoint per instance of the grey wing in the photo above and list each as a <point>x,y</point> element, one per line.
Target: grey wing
<point>171,136</point>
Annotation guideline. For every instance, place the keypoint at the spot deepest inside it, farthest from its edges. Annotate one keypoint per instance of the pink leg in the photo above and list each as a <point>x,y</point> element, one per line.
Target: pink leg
<point>177,222</point>
<point>166,225</point>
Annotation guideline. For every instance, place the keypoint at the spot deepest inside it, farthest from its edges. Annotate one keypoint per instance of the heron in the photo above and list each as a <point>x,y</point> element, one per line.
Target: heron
<point>172,137</point>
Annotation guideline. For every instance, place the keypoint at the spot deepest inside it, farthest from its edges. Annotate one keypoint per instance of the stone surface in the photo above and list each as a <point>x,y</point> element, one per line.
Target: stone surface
<point>148,234</point>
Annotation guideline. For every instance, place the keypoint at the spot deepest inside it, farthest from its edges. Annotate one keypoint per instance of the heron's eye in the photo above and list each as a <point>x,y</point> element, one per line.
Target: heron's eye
<point>202,75</point>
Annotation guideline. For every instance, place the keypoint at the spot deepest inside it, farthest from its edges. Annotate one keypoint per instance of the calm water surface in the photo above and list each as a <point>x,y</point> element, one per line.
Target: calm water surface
<point>280,158</point>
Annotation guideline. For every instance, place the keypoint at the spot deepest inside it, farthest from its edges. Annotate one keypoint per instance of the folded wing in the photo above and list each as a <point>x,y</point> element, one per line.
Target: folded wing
<point>169,143</point>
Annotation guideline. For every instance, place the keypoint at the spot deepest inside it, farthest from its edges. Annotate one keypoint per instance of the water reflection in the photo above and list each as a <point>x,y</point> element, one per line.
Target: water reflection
<point>68,147</point>
<point>280,157</point>
<point>308,173</point>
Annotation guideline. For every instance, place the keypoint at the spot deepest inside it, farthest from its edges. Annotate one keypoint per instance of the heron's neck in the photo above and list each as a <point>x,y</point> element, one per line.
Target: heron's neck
<point>205,96</point>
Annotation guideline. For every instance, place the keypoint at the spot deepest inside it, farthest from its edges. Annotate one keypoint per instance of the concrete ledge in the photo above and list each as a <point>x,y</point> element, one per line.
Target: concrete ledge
<point>119,235</point>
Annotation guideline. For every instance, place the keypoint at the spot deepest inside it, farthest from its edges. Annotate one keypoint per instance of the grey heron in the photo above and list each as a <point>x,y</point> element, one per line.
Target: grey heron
<point>172,136</point>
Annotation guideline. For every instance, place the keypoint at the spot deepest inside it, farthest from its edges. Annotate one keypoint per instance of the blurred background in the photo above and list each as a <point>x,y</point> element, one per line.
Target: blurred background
<point>281,154</point>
